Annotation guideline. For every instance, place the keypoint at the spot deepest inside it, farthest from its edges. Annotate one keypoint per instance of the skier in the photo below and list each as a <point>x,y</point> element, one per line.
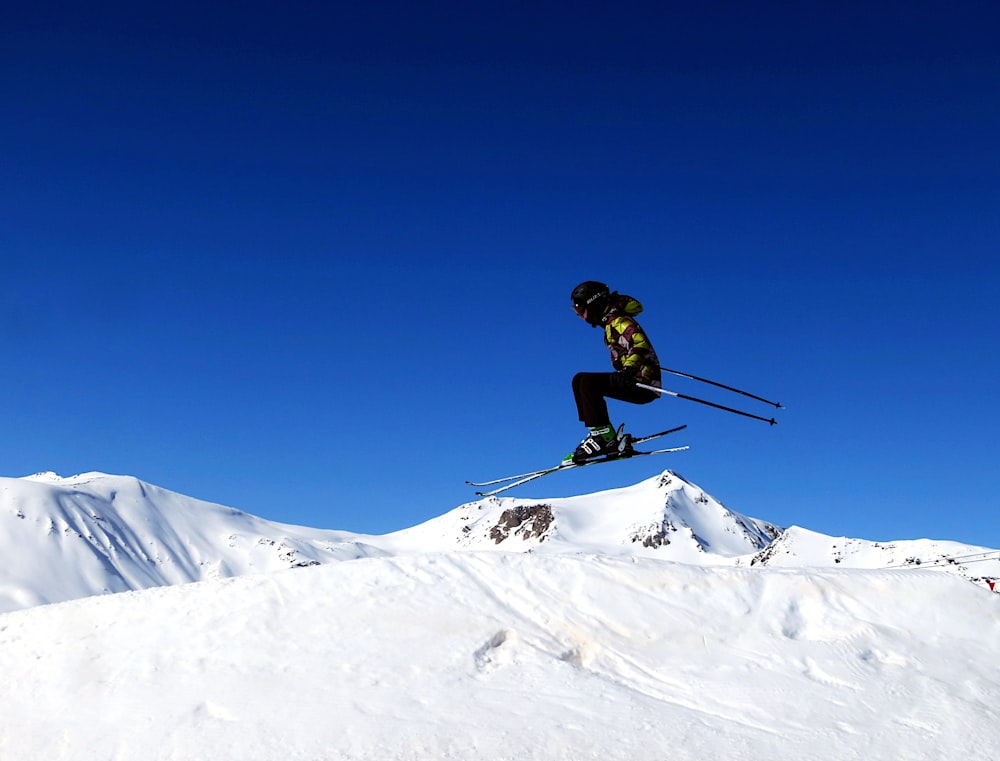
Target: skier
<point>634,361</point>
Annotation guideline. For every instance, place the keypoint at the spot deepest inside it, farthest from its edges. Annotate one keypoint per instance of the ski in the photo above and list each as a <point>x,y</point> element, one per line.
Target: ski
<point>509,482</point>
<point>631,440</point>
<point>570,465</point>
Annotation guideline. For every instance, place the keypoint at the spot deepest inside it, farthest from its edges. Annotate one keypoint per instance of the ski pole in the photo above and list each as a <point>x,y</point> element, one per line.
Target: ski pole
<point>772,421</point>
<point>721,385</point>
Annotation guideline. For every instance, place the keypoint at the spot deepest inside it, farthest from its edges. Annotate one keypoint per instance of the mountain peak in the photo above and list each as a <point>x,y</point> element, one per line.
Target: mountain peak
<point>665,516</point>
<point>50,477</point>
<point>44,477</point>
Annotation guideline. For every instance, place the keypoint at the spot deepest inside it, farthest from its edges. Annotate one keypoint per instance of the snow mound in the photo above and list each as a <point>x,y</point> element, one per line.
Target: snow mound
<point>511,655</point>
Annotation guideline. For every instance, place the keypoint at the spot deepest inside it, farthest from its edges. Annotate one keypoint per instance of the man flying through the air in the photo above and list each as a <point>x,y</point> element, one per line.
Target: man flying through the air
<point>634,361</point>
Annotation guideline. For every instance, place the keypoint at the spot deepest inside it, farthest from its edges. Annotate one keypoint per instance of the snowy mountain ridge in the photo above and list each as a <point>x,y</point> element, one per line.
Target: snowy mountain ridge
<point>93,533</point>
<point>65,538</point>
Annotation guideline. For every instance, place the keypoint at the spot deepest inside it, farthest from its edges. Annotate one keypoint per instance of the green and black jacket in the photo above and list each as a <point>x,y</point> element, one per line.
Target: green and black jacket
<point>631,351</point>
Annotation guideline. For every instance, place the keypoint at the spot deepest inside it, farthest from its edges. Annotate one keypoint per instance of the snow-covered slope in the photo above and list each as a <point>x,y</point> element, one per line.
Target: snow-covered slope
<point>574,641</point>
<point>486,655</point>
<point>94,533</point>
<point>797,545</point>
<point>65,538</point>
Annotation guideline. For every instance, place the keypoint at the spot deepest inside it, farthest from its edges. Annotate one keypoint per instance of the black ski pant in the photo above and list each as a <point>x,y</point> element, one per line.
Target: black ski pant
<point>591,390</point>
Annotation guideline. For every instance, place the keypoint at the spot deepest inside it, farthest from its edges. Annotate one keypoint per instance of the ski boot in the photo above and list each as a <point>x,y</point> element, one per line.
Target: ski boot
<point>602,441</point>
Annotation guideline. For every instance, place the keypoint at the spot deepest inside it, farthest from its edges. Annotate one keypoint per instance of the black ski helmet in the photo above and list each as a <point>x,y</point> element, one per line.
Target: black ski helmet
<point>592,297</point>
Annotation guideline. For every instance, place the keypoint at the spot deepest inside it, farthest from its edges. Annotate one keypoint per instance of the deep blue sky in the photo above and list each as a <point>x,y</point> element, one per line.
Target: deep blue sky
<point>313,260</point>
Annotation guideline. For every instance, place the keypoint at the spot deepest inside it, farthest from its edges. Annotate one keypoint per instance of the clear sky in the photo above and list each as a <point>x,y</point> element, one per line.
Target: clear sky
<point>313,260</point>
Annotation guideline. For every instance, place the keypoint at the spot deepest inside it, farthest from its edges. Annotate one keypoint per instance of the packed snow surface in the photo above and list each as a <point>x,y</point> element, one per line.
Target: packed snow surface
<point>644,623</point>
<point>511,656</point>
